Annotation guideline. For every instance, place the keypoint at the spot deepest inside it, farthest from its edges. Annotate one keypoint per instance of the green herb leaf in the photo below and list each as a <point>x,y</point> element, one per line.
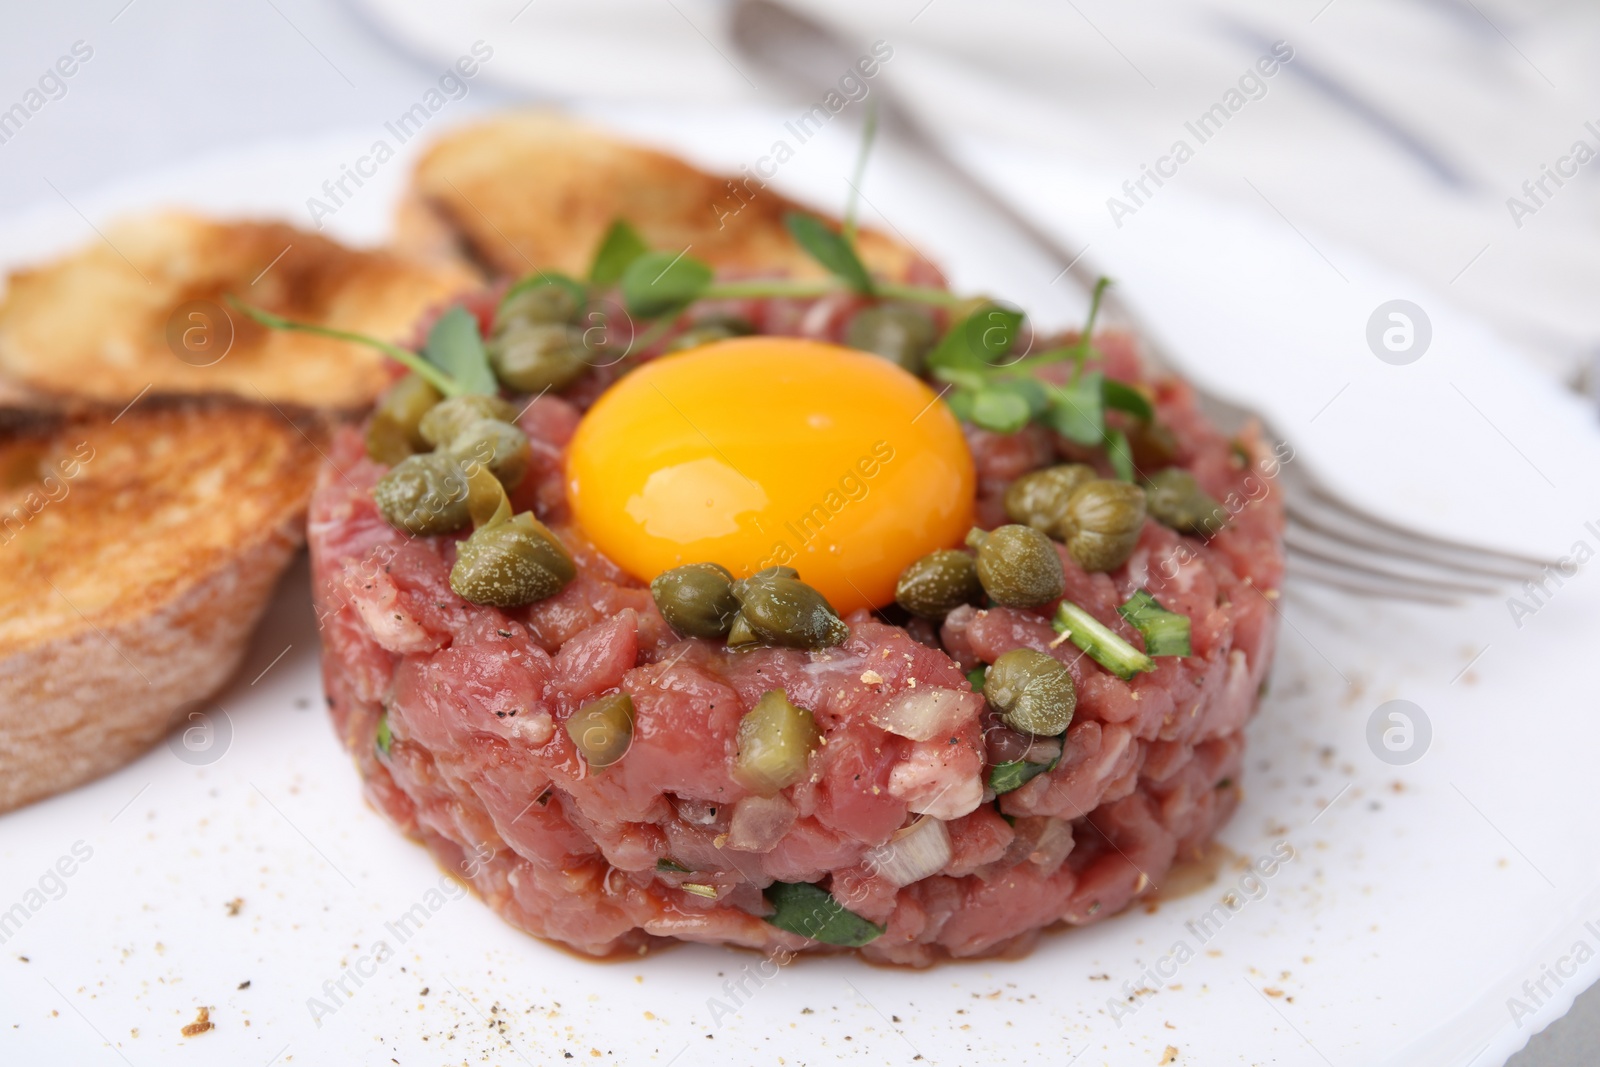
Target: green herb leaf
<point>1008,776</point>
<point>805,909</point>
<point>384,738</point>
<point>671,865</point>
<point>962,402</point>
<point>618,249</point>
<point>659,283</point>
<point>455,347</point>
<point>1077,410</point>
<point>999,410</point>
<point>975,678</point>
<point>977,341</point>
<point>1124,397</point>
<point>830,248</point>
<point>1166,633</point>
<point>1100,642</point>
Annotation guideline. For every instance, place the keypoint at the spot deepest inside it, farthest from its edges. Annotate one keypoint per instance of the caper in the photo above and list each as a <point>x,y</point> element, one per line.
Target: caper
<point>511,563</point>
<point>898,333</point>
<point>449,417</point>
<point>1018,566</point>
<point>603,729</point>
<point>696,599</point>
<point>1174,498</point>
<point>781,610</point>
<point>1102,523</point>
<point>776,739</point>
<point>423,495</point>
<point>1039,498</point>
<point>706,331</point>
<point>393,433</point>
<point>1032,692</point>
<point>500,446</point>
<point>531,357</point>
<point>537,302</point>
<point>938,583</point>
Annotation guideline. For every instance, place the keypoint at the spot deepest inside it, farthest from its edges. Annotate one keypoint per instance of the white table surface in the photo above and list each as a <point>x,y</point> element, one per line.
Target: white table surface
<point>174,79</point>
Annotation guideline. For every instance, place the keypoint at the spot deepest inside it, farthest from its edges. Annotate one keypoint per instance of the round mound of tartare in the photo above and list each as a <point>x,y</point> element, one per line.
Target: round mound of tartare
<point>625,707</point>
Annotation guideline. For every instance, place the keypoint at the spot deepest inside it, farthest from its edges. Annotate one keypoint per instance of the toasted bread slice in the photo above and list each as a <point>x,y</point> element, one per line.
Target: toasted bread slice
<point>108,322</point>
<point>138,552</point>
<point>529,189</point>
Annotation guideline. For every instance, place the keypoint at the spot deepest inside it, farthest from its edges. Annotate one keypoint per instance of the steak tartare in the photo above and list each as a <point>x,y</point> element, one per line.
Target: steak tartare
<point>927,823</point>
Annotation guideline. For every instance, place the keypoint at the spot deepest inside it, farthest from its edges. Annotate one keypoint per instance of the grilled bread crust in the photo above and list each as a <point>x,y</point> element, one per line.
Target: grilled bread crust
<point>139,551</point>
<point>109,322</point>
<point>531,190</point>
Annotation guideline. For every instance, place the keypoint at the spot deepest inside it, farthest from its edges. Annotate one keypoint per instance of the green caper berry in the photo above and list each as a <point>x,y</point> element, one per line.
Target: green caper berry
<point>1175,499</point>
<point>500,446</point>
<point>423,495</point>
<point>938,583</point>
<point>511,563</point>
<point>1032,692</point>
<point>1102,523</point>
<point>1039,498</point>
<point>776,740</point>
<point>902,335</point>
<point>449,417</point>
<point>539,302</point>
<point>1018,566</point>
<point>696,599</point>
<point>602,729</point>
<point>532,357</point>
<point>393,433</point>
<point>706,331</point>
<point>780,610</point>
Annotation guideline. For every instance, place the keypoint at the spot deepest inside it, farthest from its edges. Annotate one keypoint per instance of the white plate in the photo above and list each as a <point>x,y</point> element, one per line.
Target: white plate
<point>1420,899</point>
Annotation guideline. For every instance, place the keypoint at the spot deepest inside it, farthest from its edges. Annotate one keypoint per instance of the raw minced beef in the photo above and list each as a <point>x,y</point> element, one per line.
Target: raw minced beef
<point>480,766</point>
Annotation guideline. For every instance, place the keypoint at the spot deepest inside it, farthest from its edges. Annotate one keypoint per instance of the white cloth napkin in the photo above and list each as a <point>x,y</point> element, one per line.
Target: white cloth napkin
<point>1402,130</point>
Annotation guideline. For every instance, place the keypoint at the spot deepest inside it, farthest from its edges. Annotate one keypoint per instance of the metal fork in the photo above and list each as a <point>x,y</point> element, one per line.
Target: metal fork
<point>1330,540</point>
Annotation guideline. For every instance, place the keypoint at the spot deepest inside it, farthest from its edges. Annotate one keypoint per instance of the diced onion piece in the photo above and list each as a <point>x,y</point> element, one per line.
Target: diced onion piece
<point>925,713</point>
<point>759,823</point>
<point>912,854</point>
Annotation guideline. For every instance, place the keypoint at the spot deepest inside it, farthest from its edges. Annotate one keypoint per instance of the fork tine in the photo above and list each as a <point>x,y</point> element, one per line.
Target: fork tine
<point>1303,570</point>
<point>1301,547</point>
<point>1485,557</point>
<point>1397,547</point>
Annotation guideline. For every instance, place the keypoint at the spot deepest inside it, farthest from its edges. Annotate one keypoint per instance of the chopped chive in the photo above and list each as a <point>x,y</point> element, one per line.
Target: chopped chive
<point>1013,775</point>
<point>806,909</point>
<point>1166,633</point>
<point>1100,643</point>
<point>384,739</point>
<point>671,865</point>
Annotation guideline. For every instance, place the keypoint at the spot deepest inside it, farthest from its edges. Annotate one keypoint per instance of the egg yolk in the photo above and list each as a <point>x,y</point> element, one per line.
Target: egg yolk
<point>764,451</point>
